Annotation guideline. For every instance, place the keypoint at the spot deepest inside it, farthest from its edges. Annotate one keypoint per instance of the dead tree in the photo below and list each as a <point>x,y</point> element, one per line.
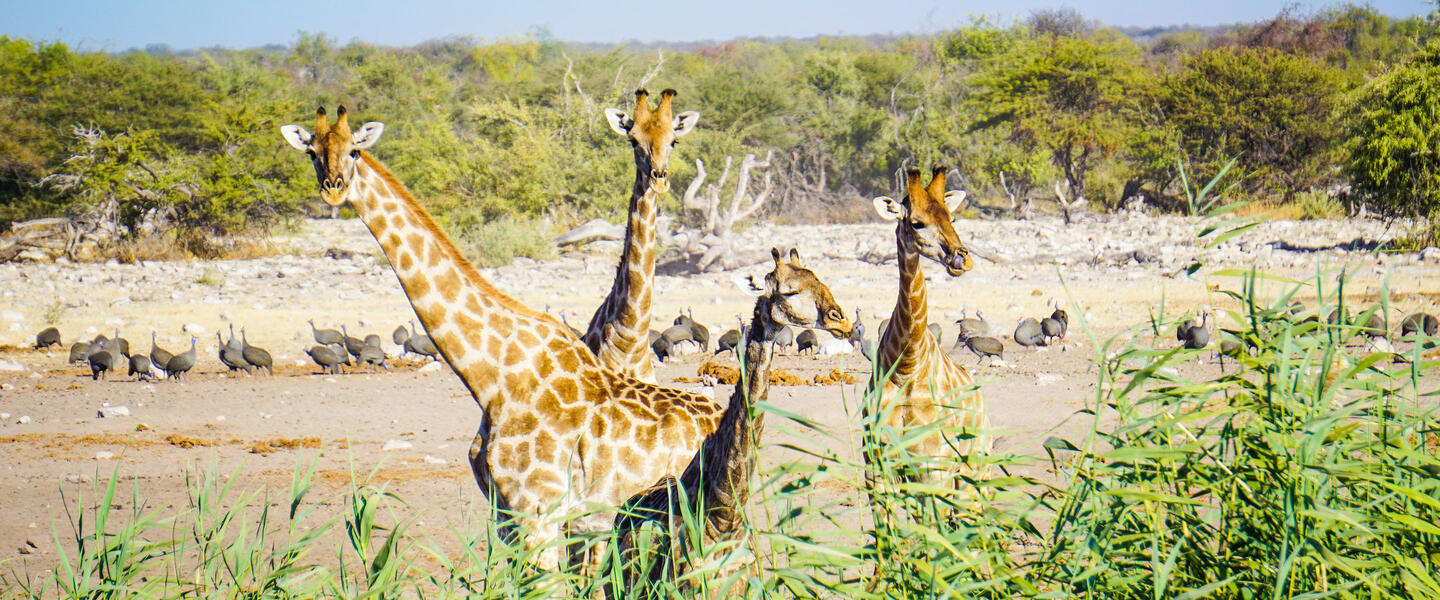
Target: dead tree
<point>1068,208</point>
<point>712,247</point>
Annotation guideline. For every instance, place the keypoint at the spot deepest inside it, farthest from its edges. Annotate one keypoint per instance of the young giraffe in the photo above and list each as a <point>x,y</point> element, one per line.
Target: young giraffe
<point>619,333</point>
<point>717,483</point>
<point>923,381</point>
<point>560,433</point>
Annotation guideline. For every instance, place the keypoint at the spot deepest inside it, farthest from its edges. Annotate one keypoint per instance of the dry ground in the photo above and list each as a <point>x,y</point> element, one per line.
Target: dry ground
<point>256,429</point>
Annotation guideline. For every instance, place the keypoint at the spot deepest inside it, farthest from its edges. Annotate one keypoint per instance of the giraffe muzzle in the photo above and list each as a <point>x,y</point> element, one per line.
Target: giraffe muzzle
<point>659,173</point>
<point>958,263</point>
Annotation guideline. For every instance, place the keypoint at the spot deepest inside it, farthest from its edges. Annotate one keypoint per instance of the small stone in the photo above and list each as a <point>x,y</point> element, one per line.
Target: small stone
<point>194,329</point>
<point>220,417</point>
<point>10,365</point>
<point>36,375</point>
<point>397,445</point>
<point>431,460</point>
<point>24,419</point>
<point>110,412</point>
<point>104,455</point>
<point>142,427</point>
<point>76,478</point>
<point>429,368</point>
<point>4,416</point>
<point>7,386</point>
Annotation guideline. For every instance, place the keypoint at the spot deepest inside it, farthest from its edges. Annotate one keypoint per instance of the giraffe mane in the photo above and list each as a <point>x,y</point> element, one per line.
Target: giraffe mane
<point>467,270</point>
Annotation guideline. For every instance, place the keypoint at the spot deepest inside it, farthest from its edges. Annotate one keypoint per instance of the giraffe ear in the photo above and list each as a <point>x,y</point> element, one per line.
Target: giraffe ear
<point>795,258</point>
<point>954,199</point>
<point>297,136</point>
<point>747,284</point>
<point>368,135</point>
<point>685,122</point>
<point>619,121</point>
<point>888,208</point>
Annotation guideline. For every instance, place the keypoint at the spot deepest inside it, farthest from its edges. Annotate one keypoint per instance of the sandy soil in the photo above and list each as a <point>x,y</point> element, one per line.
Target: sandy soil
<point>223,424</point>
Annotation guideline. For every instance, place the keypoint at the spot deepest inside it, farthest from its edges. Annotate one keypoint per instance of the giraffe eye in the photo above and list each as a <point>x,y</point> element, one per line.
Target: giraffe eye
<point>917,225</point>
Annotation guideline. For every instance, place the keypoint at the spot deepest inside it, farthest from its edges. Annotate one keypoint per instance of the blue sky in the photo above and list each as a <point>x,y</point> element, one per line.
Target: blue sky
<point>115,25</point>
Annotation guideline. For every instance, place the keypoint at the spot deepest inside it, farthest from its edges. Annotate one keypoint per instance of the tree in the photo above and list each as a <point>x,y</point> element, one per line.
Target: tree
<point>1273,110</point>
<point>1393,146</point>
<point>1067,95</point>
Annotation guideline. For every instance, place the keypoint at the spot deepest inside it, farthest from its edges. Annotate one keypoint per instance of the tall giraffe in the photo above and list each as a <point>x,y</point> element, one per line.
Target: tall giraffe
<point>923,383</point>
<point>717,483</point>
<point>560,433</point>
<point>619,333</point>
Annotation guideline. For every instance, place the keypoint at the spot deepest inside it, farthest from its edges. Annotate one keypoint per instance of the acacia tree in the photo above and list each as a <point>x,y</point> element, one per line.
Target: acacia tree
<point>1393,143</point>
<point>1067,95</point>
<point>1275,111</point>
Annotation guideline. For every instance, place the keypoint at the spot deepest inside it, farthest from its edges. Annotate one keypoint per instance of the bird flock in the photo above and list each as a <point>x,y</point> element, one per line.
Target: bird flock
<point>686,336</point>
<point>333,350</point>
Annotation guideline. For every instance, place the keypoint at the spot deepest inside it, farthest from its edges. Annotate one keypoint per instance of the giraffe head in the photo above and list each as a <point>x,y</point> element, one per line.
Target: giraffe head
<point>924,220</point>
<point>794,296</point>
<point>653,133</point>
<point>334,150</point>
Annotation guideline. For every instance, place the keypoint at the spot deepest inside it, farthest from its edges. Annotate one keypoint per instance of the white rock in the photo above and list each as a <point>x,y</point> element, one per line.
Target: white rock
<point>10,365</point>
<point>4,416</point>
<point>24,419</point>
<point>431,460</point>
<point>194,329</point>
<point>104,455</point>
<point>36,375</point>
<point>6,386</point>
<point>397,445</point>
<point>429,368</point>
<point>219,417</point>
<point>110,412</point>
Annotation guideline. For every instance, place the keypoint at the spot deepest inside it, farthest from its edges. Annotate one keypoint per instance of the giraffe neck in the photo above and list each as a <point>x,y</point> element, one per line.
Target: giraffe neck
<point>619,332</point>
<point>466,316</point>
<point>908,336</point>
<point>728,455</point>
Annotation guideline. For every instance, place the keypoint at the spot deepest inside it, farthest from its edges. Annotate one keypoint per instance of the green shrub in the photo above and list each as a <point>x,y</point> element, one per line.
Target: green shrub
<point>497,243</point>
<point>1319,204</point>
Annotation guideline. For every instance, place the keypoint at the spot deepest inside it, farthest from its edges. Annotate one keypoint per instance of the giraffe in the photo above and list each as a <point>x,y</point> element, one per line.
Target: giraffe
<point>922,380</point>
<point>717,481</point>
<point>562,439</point>
<point>619,333</point>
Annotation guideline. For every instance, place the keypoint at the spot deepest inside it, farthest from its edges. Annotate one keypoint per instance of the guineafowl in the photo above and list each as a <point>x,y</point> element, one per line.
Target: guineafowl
<point>325,336</point>
<point>140,365</point>
<point>1419,322</point>
<point>421,344</point>
<point>985,346</point>
<point>371,354</point>
<point>730,340</point>
<point>257,357</point>
<point>373,340</point>
<point>857,330</point>
<point>230,357</point>
<point>101,360</point>
<point>159,357</point>
<point>47,337</point>
<point>353,345</point>
<point>1028,333</point>
<point>399,336</point>
<point>120,344</point>
<point>79,352</point>
<point>326,357</point>
<point>180,364</point>
<point>681,340</point>
<point>1195,336</point>
<point>971,326</point>
<point>785,338</point>
<point>661,348</point>
<point>1063,318</point>
<point>935,331</point>
<point>807,341</point>
<point>699,333</point>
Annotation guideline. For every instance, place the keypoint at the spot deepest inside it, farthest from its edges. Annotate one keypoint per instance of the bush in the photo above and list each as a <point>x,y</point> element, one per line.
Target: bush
<point>497,243</point>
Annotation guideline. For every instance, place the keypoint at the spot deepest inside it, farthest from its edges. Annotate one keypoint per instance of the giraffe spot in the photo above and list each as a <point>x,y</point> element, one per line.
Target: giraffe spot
<point>392,207</point>
<point>416,240</point>
<point>545,366</point>
<point>598,428</point>
<point>525,424</point>
<point>391,242</point>
<point>545,446</point>
<point>406,263</point>
<point>398,222</point>
<point>527,338</point>
<point>514,354</point>
<point>448,284</point>
<point>539,479</point>
<point>566,388</point>
<point>569,362</point>
<point>521,456</point>
<point>418,287</point>
<point>495,346</point>
<point>502,324</point>
<point>434,259</point>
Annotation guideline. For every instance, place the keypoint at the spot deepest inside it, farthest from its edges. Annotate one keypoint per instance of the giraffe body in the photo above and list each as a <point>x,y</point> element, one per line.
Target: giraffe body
<point>560,432</point>
<point>924,385</point>
<point>620,329</point>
